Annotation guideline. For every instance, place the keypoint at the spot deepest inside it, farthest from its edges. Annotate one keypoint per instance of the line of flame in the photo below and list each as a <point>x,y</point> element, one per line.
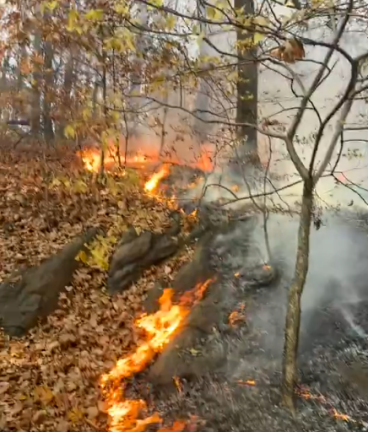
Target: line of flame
<point>160,327</point>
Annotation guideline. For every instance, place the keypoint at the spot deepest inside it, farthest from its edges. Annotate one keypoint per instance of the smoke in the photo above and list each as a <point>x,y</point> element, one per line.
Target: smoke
<point>336,278</point>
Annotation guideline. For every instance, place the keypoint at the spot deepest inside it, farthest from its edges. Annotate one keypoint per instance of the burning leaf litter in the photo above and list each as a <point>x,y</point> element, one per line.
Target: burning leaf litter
<point>304,393</point>
<point>49,377</point>
<point>160,327</point>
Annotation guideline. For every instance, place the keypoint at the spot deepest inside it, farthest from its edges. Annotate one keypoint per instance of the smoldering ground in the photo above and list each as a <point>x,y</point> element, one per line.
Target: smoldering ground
<point>333,355</point>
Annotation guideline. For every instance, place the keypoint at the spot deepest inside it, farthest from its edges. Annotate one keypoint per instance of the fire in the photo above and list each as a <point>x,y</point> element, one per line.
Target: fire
<point>91,158</point>
<point>305,394</point>
<point>159,327</point>
<point>237,316</point>
<point>340,416</point>
<point>247,382</point>
<point>153,182</point>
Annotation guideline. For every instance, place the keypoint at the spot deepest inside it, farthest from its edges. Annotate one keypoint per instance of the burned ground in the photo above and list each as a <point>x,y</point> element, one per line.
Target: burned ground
<point>242,391</point>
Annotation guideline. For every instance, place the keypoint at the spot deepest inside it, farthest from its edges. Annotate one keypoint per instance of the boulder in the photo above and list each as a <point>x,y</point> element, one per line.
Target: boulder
<point>34,294</point>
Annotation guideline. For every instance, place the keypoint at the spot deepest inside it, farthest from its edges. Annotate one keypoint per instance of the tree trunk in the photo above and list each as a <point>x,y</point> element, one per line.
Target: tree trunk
<point>36,94</point>
<point>293,316</point>
<point>247,90</point>
<point>49,83</point>
<point>136,100</point>
<point>66,92</point>
<point>202,103</point>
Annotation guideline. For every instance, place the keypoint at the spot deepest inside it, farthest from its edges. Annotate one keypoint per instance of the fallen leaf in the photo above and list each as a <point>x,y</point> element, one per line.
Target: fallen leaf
<point>43,394</point>
<point>39,416</point>
<point>4,387</point>
<point>62,426</point>
<point>92,412</point>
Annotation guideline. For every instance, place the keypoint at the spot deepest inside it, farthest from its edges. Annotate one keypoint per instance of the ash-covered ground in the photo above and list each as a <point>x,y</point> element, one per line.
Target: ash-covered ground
<point>333,356</point>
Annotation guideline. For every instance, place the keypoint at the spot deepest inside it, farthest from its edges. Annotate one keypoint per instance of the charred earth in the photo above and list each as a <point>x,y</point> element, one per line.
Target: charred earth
<point>226,361</point>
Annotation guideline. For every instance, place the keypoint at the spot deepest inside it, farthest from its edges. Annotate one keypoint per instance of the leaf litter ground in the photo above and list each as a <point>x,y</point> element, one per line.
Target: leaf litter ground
<point>50,378</point>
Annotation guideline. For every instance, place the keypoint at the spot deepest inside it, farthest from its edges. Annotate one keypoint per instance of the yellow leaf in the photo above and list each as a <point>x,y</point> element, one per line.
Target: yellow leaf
<point>75,415</point>
<point>69,132</point>
<point>258,37</point>
<point>72,20</point>
<point>94,15</point>
<point>86,113</point>
<point>260,21</point>
<point>157,3</point>
<point>82,257</point>
<point>66,183</point>
<point>51,6</point>
<point>122,9</point>
<point>170,22</point>
<point>129,40</point>
<point>214,13</point>
<point>44,394</point>
<point>56,182</point>
<point>80,187</point>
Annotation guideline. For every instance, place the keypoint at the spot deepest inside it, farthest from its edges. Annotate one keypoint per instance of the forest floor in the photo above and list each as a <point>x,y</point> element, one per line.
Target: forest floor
<point>50,378</point>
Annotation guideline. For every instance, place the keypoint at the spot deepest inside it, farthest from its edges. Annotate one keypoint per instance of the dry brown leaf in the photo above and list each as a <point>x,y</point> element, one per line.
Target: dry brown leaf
<point>92,412</point>
<point>39,416</point>
<point>53,345</point>
<point>4,387</point>
<point>102,406</point>
<point>16,409</point>
<point>62,426</point>
<point>290,52</point>
<point>43,394</point>
<point>75,415</point>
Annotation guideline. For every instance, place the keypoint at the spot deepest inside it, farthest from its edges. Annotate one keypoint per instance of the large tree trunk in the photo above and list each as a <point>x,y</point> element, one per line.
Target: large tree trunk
<point>247,90</point>
<point>293,315</point>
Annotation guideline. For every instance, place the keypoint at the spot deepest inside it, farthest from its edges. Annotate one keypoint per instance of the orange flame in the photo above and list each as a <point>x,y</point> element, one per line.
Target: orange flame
<point>247,382</point>
<point>340,416</point>
<point>160,327</point>
<point>237,316</point>
<point>153,182</point>
<point>91,158</point>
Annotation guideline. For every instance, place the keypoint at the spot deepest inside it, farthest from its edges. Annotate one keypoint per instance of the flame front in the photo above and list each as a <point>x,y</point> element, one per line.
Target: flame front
<point>153,182</point>
<point>160,328</point>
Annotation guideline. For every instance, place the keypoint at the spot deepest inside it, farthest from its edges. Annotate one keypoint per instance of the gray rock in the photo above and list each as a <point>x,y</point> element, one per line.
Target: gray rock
<point>137,253</point>
<point>36,291</point>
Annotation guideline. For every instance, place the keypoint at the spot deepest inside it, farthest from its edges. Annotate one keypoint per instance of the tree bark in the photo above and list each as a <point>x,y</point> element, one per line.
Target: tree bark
<point>137,99</point>
<point>49,82</point>
<point>36,94</point>
<point>247,90</point>
<point>293,316</point>
<point>66,91</point>
<point>202,103</point>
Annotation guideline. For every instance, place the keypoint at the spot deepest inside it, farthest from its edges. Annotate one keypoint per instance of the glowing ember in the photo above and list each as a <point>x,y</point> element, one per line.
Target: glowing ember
<point>305,394</point>
<point>247,382</point>
<point>237,316</point>
<point>153,182</point>
<point>159,327</point>
<point>340,416</point>
<point>178,384</point>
